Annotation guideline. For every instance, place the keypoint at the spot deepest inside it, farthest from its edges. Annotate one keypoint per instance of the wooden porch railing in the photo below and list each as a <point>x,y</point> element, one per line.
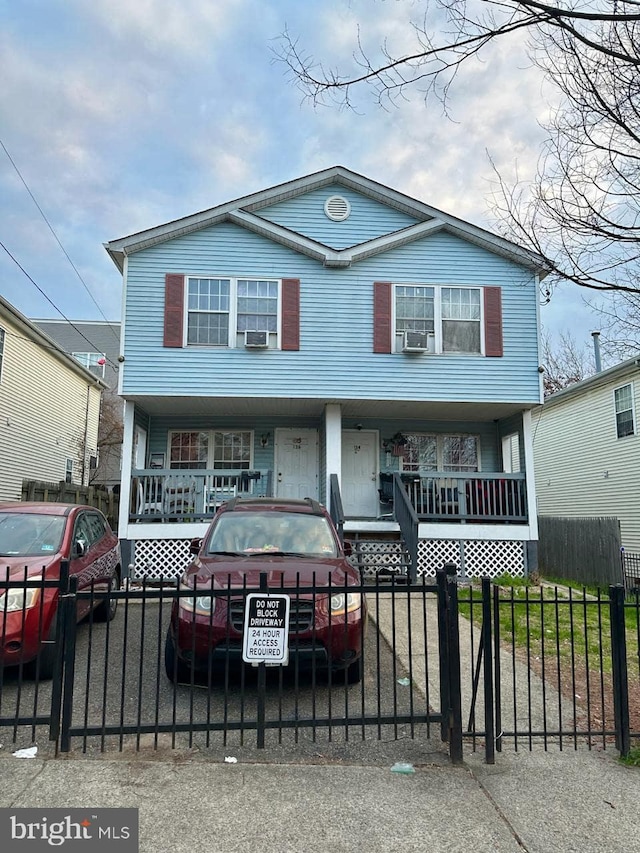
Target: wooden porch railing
<point>447,496</point>
<point>191,495</point>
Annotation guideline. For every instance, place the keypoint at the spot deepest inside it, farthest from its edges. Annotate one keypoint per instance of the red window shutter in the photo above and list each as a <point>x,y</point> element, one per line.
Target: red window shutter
<point>382,291</point>
<point>290,313</point>
<point>493,321</point>
<point>173,310</point>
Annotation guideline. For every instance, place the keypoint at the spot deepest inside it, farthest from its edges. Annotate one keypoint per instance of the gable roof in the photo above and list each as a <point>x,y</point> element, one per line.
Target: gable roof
<point>30,331</point>
<point>244,212</point>
<point>612,375</point>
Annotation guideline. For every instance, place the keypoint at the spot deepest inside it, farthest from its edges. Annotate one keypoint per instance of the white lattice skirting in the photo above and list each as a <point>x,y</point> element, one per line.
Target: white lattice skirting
<point>166,559</point>
<point>474,559</point>
<point>160,559</point>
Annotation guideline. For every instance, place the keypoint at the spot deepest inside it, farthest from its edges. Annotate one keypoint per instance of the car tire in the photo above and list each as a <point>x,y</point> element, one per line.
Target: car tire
<point>106,610</point>
<point>177,671</point>
<point>355,672</point>
<point>44,665</point>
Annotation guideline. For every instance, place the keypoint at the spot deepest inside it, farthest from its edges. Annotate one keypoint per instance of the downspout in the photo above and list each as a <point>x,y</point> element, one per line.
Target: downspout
<point>86,438</point>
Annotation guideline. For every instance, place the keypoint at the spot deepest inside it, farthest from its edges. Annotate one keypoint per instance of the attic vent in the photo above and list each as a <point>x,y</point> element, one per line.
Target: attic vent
<point>337,208</point>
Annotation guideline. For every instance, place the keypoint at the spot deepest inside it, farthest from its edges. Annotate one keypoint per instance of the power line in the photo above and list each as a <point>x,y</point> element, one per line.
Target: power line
<point>50,301</point>
<point>55,236</point>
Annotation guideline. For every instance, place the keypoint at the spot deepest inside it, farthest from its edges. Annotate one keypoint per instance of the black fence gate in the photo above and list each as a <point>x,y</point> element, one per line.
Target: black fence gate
<point>549,666</point>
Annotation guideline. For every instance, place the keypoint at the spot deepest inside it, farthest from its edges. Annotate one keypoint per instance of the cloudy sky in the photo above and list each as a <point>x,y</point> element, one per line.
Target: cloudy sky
<point>119,115</point>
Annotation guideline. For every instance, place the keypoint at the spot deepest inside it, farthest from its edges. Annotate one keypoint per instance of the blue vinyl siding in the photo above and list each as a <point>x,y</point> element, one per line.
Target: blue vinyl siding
<point>368,219</point>
<point>335,359</point>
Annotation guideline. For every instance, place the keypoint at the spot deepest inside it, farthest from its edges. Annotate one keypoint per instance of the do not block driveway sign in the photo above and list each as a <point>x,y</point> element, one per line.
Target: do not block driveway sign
<point>266,629</point>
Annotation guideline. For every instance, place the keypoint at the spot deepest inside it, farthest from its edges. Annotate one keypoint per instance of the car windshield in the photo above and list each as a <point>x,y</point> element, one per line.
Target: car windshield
<point>30,535</point>
<point>270,532</point>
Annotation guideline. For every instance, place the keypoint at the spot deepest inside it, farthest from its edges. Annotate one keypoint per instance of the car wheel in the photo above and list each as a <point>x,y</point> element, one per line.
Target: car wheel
<point>106,610</point>
<point>43,667</point>
<point>176,670</point>
<point>355,672</point>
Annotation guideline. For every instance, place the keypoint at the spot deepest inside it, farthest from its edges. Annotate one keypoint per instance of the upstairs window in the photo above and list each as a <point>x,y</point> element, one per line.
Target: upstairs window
<point>449,316</point>
<point>208,308</point>
<point>437,319</point>
<point>624,411</point>
<point>217,312</point>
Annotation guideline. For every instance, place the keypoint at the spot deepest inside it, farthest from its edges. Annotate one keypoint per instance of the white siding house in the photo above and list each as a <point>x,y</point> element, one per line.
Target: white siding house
<point>49,408</point>
<point>586,441</point>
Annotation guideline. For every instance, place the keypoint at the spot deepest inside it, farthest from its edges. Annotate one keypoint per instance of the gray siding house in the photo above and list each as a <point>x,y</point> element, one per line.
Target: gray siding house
<point>331,337</point>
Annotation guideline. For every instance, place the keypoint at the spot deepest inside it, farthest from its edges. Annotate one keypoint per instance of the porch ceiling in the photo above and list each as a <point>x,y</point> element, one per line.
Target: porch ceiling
<point>290,407</point>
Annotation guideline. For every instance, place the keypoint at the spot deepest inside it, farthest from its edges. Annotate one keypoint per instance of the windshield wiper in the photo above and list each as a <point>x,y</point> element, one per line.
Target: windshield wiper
<point>275,554</point>
<point>227,553</point>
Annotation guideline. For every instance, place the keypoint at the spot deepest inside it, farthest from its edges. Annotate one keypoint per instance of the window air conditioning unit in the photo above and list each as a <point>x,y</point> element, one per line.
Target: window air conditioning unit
<point>256,340</point>
<point>418,342</point>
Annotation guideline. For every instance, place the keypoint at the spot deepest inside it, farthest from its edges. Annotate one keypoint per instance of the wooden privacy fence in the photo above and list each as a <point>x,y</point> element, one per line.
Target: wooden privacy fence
<point>70,493</point>
<point>586,550</point>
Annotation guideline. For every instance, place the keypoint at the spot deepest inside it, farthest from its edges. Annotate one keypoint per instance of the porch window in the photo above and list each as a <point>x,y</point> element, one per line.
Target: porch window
<point>188,449</point>
<point>624,411</point>
<point>440,453</point>
<point>232,450</point>
<point>460,453</point>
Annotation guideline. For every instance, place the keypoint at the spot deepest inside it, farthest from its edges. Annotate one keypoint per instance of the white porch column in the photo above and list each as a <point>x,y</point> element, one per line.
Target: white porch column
<point>125,482</point>
<point>532,507</point>
<point>333,443</point>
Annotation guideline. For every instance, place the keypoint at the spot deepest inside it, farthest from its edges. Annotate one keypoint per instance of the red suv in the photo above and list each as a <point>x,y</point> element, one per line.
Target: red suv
<point>34,539</point>
<point>296,544</point>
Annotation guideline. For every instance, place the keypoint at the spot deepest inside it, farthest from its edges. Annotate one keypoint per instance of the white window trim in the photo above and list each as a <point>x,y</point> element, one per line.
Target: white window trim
<point>439,437</point>
<point>232,340</point>
<point>88,365</point>
<point>437,316</point>
<point>633,411</point>
<point>210,445</point>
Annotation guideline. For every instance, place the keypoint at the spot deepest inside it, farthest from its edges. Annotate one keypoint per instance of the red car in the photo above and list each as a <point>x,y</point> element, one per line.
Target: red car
<point>34,539</point>
<point>296,544</point>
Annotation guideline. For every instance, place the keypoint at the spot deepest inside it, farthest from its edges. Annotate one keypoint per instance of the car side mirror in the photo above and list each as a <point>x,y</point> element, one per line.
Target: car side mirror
<point>80,548</point>
<point>347,548</point>
<point>195,545</point>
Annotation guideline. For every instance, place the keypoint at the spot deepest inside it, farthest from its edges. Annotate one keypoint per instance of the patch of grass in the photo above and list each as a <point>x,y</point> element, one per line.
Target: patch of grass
<point>633,759</point>
<point>572,628</point>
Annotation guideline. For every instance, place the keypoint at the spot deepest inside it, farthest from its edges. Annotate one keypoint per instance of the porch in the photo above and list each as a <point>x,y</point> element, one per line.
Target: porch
<point>192,496</point>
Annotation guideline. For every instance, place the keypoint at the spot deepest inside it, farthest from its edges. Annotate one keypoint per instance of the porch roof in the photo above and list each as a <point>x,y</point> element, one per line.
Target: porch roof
<point>309,407</point>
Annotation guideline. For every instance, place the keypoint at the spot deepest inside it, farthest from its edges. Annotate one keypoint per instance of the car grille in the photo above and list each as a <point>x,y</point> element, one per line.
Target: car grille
<point>300,616</point>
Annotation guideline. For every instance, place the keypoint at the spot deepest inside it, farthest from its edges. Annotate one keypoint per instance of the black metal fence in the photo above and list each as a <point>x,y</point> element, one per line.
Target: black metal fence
<point>494,667</point>
<point>550,666</point>
<point>150,676</point>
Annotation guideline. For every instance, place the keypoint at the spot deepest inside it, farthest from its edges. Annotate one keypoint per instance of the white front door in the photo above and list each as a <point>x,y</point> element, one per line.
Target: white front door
<point>359,481</point>
<point>297,463</point>
<point>139,454</point>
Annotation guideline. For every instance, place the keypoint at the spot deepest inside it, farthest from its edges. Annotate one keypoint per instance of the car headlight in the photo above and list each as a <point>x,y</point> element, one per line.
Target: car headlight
<point>345,602</point>
<point>198,603</point>
<point>20,598</point>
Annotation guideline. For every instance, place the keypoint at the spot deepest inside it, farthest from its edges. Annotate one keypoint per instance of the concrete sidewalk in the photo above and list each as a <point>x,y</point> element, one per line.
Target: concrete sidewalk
<point>537,802</point>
